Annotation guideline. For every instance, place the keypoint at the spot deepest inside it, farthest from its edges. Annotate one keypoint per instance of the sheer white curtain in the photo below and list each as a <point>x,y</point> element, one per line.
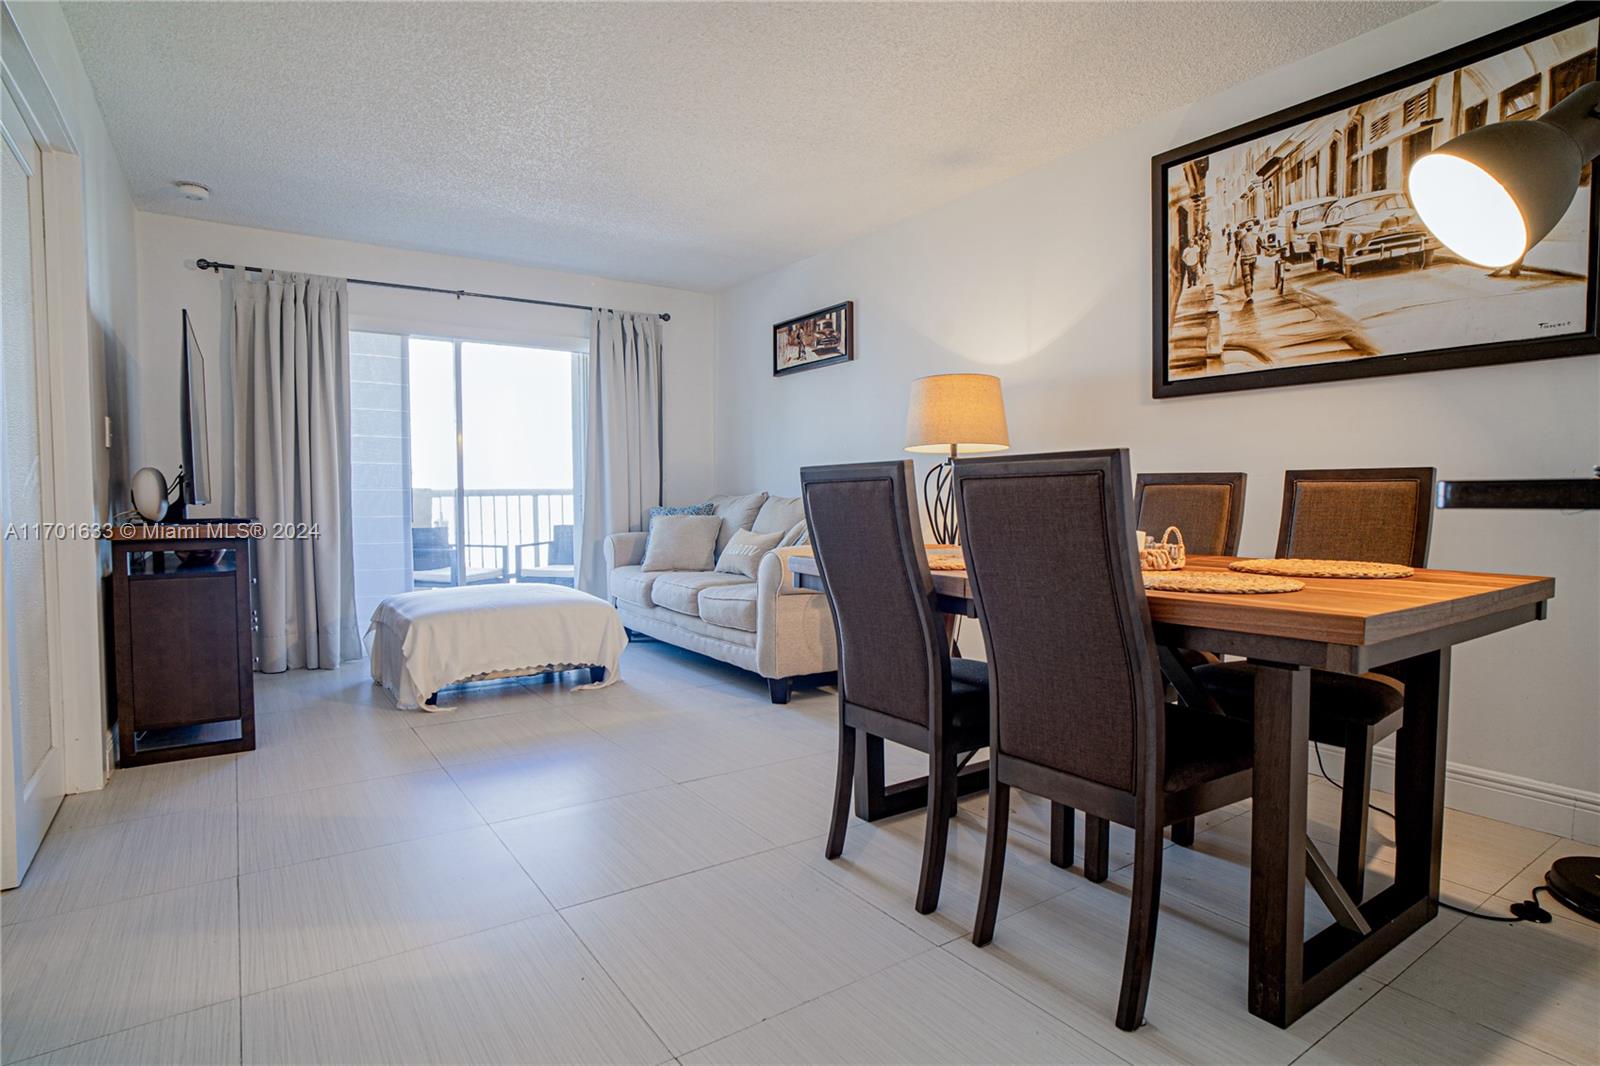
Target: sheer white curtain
<point>621,461</point>
<point>291,463</point>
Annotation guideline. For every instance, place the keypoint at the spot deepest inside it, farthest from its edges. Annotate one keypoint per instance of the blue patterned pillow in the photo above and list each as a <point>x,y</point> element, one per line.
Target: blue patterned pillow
<point>658,512</point>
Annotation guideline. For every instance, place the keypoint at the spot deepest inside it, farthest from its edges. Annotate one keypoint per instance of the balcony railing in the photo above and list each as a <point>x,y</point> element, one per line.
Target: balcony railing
<point>509,535</point>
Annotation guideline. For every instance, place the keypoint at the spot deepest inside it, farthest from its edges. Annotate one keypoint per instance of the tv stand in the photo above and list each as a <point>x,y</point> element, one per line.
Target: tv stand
<point>181,630</point>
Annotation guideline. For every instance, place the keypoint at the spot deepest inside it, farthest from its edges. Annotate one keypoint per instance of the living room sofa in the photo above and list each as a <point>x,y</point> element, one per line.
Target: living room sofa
<point>766,626</point>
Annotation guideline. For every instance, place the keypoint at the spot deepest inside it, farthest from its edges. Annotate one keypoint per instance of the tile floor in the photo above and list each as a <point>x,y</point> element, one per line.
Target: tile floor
<point>539,874</point>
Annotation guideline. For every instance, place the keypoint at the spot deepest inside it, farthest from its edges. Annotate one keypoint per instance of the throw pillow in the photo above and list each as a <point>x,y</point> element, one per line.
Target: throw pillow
<point>745,551</point>
<point>796,536</point>
<point>737,512</point>
<point>682,542</point>
<point>657,512</point>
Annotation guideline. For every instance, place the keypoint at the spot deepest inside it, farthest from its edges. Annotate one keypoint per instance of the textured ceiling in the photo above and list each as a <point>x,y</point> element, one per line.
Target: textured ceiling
<point>693,144</point>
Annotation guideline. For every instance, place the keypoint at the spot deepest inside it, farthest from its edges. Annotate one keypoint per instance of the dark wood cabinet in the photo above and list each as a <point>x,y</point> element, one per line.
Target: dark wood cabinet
<point>182,654</point>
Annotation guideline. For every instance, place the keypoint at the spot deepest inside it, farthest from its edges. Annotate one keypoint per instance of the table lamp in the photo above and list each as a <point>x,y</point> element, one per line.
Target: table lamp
<point>1492,193</point>
<point>950,415</point>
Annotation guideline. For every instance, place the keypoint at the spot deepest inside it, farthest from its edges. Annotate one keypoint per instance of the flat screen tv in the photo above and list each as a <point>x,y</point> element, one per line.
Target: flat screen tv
<point>192,401</point>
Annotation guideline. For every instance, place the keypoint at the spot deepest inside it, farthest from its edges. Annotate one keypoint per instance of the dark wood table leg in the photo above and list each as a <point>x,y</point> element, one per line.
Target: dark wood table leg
<point>876,798</point>
<point>869,777</point>
<point>1419,775</point>
<point>1277,844</point>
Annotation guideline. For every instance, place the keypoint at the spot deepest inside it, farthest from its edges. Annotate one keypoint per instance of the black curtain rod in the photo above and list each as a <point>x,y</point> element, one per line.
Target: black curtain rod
<point>212,264</point>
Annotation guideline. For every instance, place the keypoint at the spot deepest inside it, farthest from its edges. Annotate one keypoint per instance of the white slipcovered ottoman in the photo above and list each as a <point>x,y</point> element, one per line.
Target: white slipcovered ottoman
<point>424,641</point>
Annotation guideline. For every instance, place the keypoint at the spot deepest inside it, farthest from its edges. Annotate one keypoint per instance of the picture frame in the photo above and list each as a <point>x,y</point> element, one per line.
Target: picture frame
<point>1365,290</point>
<point>817,339</point>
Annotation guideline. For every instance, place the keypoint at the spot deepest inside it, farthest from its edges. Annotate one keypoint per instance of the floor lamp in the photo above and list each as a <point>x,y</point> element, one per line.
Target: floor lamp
<point>950,415</point>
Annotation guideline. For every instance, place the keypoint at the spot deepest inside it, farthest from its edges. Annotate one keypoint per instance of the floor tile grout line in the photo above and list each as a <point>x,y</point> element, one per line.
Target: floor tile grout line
<point>356,781</point>
<point>363,849</point>
<point>589,951</point>
<point>1038,1007</point>
<point>243,995</point>
<point>125,1029</point>
<point>1514,1038</point>
<point>671,877</point>
<point>124,899</point>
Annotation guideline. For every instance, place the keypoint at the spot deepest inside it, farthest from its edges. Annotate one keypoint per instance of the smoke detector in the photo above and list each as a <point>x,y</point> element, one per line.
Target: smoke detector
<point>192,190</point>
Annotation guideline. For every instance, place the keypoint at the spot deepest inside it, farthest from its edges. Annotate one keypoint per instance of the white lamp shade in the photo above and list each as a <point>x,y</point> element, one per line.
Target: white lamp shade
<point>1494,192</point>
<point>961,411</point>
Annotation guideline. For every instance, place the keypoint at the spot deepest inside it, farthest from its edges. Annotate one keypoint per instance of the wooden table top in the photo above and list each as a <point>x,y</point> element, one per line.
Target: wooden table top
<point>1344,611</point>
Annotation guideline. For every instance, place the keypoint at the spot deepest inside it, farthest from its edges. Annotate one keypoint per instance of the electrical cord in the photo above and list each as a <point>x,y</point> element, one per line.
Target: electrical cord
<point>1526,911</point>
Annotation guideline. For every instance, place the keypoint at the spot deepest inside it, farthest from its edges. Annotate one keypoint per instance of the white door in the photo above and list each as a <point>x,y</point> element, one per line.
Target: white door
<point>32,763</point>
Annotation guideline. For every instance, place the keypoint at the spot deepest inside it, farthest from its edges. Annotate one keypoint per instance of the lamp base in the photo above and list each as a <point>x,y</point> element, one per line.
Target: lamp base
<point>1575,881</point>
<point>939,502</point>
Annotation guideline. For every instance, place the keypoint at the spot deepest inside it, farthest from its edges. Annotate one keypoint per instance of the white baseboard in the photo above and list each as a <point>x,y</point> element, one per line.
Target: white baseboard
<point>1549,808</point>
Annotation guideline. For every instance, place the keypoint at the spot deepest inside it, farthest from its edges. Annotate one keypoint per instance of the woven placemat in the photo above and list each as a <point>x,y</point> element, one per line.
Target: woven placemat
<point>1211,581</point>
<point>944,557</point>
<point>1320,568</point>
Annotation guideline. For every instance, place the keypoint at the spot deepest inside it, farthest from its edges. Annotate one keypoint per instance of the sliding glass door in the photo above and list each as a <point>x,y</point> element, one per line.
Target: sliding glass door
<point>516,462</point>
<point>487,473</point>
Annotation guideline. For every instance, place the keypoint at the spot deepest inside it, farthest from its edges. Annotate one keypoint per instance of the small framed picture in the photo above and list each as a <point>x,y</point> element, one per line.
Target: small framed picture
<point>820,338</point>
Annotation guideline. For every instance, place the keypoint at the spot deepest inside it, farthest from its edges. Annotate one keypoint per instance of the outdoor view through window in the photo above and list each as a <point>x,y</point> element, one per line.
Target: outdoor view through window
<point>481,486</point>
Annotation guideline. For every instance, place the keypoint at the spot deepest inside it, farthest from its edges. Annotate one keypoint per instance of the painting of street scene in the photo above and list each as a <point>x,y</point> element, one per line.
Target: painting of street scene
<point>1299,247</point>
<point>816,339</point>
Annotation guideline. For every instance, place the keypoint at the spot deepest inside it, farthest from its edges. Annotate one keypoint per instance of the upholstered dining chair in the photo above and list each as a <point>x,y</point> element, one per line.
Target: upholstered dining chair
<point>897,680</point>
<point>1077,711</point>
<point>1381,515</point>
<point>1208,509</point>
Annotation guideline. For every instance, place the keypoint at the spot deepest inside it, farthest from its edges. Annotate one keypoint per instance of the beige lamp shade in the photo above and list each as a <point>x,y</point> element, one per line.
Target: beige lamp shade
<point>960,411</point>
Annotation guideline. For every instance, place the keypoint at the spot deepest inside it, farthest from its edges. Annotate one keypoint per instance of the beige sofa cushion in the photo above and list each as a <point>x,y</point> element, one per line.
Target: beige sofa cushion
<point>682,542</point>
<point>680,591</point>
<point>736,512</point>
<point>630,584</point>
<point>733,606</point>
<point>745,551</point>
<point>779,515</point>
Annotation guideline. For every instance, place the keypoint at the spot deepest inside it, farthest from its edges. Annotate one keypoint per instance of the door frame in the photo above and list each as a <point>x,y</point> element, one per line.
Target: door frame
<point>75,437</point>
<point>26,822</point>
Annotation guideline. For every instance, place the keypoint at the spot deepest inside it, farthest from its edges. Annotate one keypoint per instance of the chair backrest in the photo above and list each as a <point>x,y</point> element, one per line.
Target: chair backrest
<point>430,547</point>
<point>867,539</point>
<point>1380,515</point>
<point>561,545</point>
<point>1073,680</point>
<point>1208,509</point>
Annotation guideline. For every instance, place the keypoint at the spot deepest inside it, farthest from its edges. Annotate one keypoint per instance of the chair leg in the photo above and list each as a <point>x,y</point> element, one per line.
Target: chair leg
<point>941,804</point>
<point>1142,912</point>
<point>1353,810</point>
<point>1062,834</point>
<point>842,782</point>
<point>1183,833</point>
<point>994,860</point>
<point>1096,848</point>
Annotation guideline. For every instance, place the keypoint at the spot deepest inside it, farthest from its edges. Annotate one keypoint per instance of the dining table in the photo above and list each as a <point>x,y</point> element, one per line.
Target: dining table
<point>1405,626</point>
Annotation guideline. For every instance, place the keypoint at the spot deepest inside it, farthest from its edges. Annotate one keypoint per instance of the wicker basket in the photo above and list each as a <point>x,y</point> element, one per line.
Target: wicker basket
<point>1168,553</point>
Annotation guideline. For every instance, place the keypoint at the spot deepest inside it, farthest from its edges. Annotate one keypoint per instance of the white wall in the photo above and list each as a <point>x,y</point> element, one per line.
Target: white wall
<point>92,379</point>
<point>108,225</point>
<point>168,282</point>
<point>1045,281</point>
